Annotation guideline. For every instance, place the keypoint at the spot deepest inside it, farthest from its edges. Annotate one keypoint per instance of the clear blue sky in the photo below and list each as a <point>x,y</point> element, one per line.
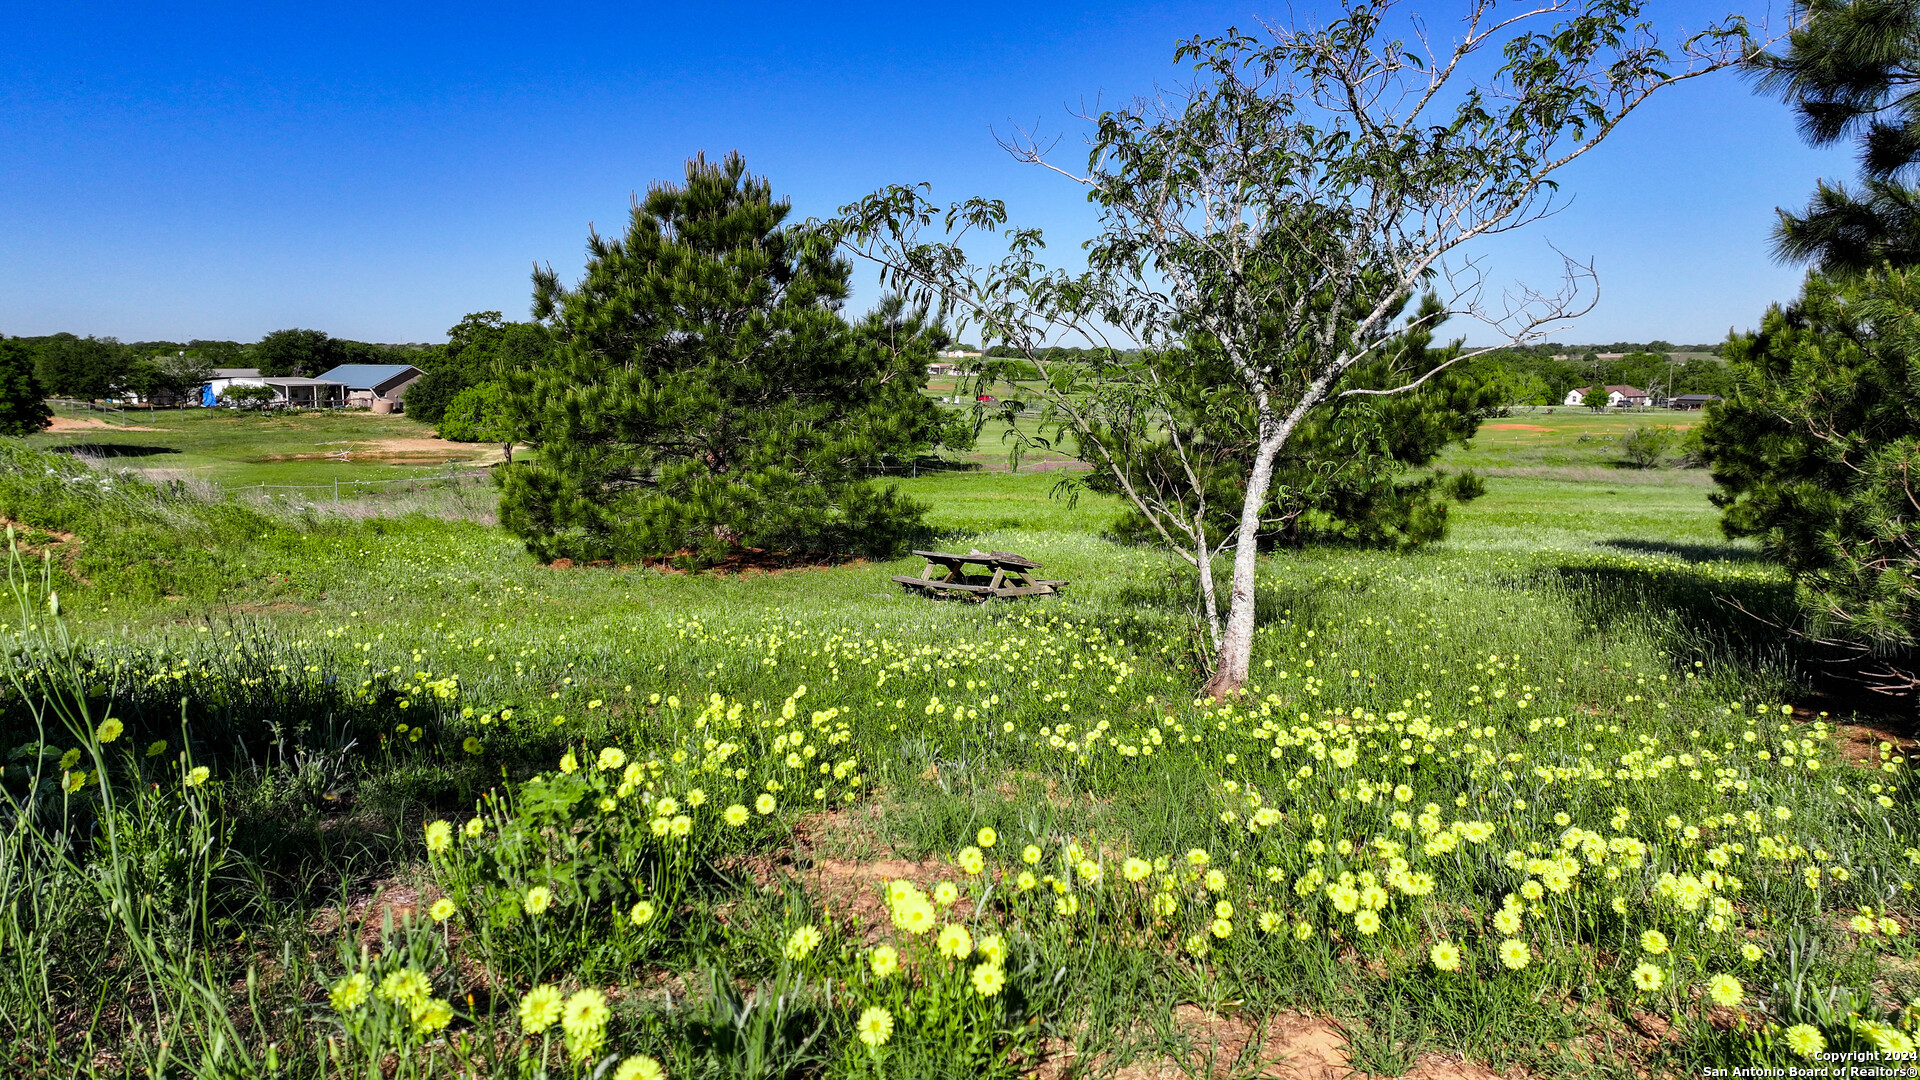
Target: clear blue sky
<point>376,171</point>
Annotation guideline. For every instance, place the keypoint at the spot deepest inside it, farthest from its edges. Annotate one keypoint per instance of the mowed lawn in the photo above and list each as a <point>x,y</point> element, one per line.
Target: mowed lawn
<point>233,449</point>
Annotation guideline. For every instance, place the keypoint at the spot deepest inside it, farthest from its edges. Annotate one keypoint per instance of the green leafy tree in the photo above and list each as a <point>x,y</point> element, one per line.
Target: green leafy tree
<point>1285,207</point>
<point>86,368</point>
<point>705,394</point>
<point>1644,370</point>
<point>218,353</point>
<point>1852,70</point>
<point>482,413</point>
<point>1815,451</point>
<point>1703,376</point>
<point>23,402</point>
<point>296,353</point>
<point>174,376</point>
<point>482,348</point>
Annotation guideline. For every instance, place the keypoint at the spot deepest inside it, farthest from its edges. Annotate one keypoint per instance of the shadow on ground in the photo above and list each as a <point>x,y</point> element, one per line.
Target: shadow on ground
<point>1750,624</point>
<point>1693,553</point>
<point>112,450</point>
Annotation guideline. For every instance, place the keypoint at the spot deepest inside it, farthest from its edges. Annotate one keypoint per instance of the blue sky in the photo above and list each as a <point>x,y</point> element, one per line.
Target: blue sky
<point>376,171</point>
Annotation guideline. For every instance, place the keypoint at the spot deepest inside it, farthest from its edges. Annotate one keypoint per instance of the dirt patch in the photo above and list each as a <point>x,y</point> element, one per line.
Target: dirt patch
<point>1859,744</point>
<point>853,889</point>
<point>368,915</point>
<point>65,424</point>
<point>35,542</point>
<point>851,832</point>
<point>1513,427</point>
<point>1288,1046</point>
<point>1858,739</point>
<point>399,449</point>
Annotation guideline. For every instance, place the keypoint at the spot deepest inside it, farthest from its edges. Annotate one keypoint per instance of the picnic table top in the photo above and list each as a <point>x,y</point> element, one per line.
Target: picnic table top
<point>990,558</point>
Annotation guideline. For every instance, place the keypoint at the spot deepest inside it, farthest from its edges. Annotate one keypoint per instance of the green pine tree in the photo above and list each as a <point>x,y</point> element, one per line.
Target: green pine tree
<point>705,395</point>
<point>1852,69</point>
<point>1816,450</point>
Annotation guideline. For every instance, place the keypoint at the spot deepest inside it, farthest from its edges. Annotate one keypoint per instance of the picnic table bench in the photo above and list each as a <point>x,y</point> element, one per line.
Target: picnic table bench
<point>1006,575</point>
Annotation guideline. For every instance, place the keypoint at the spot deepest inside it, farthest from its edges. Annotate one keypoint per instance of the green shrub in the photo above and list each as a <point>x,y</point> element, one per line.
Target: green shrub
<point>1647,445</point>
<point>247,397</point>
<point>478,414</point>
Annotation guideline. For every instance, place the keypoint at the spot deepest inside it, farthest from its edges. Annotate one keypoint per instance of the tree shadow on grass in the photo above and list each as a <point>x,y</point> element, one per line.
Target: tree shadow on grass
<point>1747,622</point>
<point>1738,615</point>
<point>1693,553</point>
<point>112,450</point>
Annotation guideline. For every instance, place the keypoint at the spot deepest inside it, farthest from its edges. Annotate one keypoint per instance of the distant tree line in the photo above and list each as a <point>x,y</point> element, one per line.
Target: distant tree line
<point>1544,375</point>
<point>1535,375</point>
<point>95,368</point>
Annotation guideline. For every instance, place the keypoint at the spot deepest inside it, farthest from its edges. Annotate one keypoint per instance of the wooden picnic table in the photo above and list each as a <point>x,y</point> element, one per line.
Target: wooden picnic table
<point>1005,575</point>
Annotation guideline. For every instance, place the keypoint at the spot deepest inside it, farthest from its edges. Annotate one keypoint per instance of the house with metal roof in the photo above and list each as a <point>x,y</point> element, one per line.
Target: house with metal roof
<point>289,392</point>
<point>380,387</point>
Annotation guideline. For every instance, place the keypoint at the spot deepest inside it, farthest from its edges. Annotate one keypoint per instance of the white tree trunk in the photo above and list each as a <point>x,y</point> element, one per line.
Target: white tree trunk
<point>1233,656</point>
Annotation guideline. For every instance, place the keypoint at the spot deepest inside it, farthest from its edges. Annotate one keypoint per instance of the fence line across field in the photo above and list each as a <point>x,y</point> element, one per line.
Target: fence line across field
<point>336,485</point>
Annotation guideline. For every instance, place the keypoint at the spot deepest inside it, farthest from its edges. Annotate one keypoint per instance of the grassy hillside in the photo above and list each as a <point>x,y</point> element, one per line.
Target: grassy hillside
<point>1465,788</point>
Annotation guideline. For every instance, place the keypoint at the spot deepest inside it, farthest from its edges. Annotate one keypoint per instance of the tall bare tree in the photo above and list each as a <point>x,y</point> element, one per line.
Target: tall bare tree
<point>1282,209</point>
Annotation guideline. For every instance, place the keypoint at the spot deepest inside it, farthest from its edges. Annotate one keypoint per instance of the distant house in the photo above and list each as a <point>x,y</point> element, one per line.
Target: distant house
<point>1692,402</point>
<point>299,393</point>
<point>380,387</point>
<point>288,391</point>
<point>222,378</point>
<point>1620,396</point>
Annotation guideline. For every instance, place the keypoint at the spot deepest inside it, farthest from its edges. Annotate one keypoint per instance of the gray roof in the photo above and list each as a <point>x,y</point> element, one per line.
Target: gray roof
<point>276,380</point>
<point>236,373</point>
<point>368,376</point>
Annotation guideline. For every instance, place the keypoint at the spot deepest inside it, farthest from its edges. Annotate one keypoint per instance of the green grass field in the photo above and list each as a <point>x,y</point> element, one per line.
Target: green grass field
<point>1548,798</point>
<point>232,449</point>
<point>1543,441</point>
